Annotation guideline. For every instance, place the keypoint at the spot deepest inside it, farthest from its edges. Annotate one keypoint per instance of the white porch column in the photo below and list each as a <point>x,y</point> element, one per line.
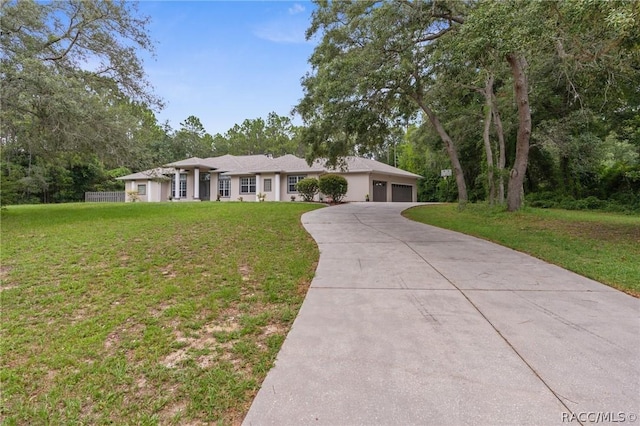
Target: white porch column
<point>214,189</point>
<point>277,183</point>
<point>258,186</point>
<point>149,198</point>
<point>176,187</point>
<point>196,183</point>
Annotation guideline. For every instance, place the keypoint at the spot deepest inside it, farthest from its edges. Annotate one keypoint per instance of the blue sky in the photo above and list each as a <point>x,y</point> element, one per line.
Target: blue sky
<point>226,61</point>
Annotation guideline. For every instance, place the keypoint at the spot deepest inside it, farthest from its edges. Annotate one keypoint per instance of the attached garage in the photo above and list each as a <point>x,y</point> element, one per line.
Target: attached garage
<point>384,191</point>
<point>401,193</point>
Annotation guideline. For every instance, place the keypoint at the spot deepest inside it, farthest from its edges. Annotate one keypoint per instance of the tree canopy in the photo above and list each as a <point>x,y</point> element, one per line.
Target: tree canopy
<point>74,99</point>
<point>380,63</point>
<point>70,70</point>
<point>276,136</point>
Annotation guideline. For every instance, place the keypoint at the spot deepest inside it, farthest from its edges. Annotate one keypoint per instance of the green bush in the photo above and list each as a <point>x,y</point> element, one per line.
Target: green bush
<point>619,202</point>
<point>308,188</point>
<point>544,200</point>
<point>334,186</point>
<point>590,203</point>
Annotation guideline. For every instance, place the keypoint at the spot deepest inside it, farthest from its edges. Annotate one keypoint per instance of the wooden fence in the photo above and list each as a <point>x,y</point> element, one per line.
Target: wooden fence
<point>104,197</point>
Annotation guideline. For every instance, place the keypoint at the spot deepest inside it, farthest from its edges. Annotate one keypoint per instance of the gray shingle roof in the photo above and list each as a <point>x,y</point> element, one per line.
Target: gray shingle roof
<point>359,164</point>
<point>149,174</point>
<point>203,163</point>
<point>251,164</point>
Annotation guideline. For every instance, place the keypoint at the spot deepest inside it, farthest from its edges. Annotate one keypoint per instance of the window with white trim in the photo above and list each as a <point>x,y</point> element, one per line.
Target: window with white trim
<point>292,181</point>
<point>142,189</point>
<point>248,185</point>
<point>267,185</point>
<point>183,185</point>
<point>224,186</point>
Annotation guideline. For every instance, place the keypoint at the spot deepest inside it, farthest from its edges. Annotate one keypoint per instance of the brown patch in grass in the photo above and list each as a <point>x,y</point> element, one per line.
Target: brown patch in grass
<point>4,274</point>
<point>159,310</point>
<point>127,330</point>
<point>112,341</point>
<point>174,358</point>
<point>79,315</point>
<point>204,340</point>
<point>168,271</point>
<point>7,287</point>
<point>245,272</point>
<point>172,412</point>
<point>606,232</point>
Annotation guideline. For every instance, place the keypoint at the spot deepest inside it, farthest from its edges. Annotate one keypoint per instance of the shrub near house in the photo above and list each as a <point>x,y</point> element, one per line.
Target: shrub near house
<point>308,188</point>
<point>334,186</point>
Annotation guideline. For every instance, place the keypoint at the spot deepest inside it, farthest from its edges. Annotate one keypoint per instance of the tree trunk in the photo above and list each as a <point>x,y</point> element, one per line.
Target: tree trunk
<point>502,160</point>
<point>488,90</point>
<point>451,150</point>
<point>515,190</point>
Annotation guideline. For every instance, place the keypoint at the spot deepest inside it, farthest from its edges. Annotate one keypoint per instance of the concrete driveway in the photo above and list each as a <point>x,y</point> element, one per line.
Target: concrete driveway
<point>408,324</point>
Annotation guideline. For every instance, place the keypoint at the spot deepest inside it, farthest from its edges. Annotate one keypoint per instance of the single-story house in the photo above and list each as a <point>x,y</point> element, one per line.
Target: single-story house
<point>251,177</point>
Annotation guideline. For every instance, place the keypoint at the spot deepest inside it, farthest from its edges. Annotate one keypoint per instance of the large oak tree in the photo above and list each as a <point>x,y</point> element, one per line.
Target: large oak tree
<point>69,71</point>
<point>372,70</point>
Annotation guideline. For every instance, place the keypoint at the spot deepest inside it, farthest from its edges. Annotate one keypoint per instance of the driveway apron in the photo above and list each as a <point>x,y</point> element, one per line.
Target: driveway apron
<point>409,324</point>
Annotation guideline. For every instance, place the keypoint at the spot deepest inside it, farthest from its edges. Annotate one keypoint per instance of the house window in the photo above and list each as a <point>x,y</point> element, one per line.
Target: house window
<point>292,181</point>
<point>224,187</point>
<point>267,185</point>
<point>142,189</point>
<point>183,185</point>
<point>248,185</point>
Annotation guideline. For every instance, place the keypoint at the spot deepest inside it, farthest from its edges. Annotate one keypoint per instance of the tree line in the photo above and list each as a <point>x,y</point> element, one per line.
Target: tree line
<point>29,177</point>
<point>536,101</point>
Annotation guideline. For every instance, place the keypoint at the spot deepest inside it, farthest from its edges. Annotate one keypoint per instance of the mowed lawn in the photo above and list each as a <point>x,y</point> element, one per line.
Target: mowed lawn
<point>167,313</point>
<point>598,245</point>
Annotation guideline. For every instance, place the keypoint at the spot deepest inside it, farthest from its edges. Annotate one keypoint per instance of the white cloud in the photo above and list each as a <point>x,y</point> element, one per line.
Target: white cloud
<point>282,31</point>
<point>296,8</point>
<point>287,28</point>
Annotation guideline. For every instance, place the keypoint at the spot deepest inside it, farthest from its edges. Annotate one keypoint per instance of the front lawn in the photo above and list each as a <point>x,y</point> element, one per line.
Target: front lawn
<point>601,246</point>
<point>164,313</point>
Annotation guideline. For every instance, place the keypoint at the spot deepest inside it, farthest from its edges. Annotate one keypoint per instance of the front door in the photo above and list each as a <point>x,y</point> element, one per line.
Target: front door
<point>205,186</point>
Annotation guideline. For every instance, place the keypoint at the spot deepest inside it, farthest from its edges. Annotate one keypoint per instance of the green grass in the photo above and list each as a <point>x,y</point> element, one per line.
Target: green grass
<point>166,313</point>
<point>601,246</point>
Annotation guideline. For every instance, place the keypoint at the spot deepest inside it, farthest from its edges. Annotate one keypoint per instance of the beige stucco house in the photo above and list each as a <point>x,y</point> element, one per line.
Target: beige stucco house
<point>250,177</point>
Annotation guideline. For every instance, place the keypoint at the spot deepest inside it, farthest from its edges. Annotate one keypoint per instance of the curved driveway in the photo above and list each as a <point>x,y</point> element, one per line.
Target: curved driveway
<point>406,324</point>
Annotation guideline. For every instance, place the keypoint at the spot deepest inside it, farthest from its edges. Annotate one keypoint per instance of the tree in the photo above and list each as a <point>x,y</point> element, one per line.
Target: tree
<point>276,136</point>
<point>373,69</point>
<point>333,186</point>
<point>420,152</point>
<point>555,41</point>
<point>192,140</point>
<point>66,69</point>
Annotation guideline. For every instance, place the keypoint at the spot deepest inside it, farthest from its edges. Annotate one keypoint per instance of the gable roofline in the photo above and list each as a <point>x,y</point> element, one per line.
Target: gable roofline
<point>158,172</point>
<point>194,162</point>
<point>361,164</point>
